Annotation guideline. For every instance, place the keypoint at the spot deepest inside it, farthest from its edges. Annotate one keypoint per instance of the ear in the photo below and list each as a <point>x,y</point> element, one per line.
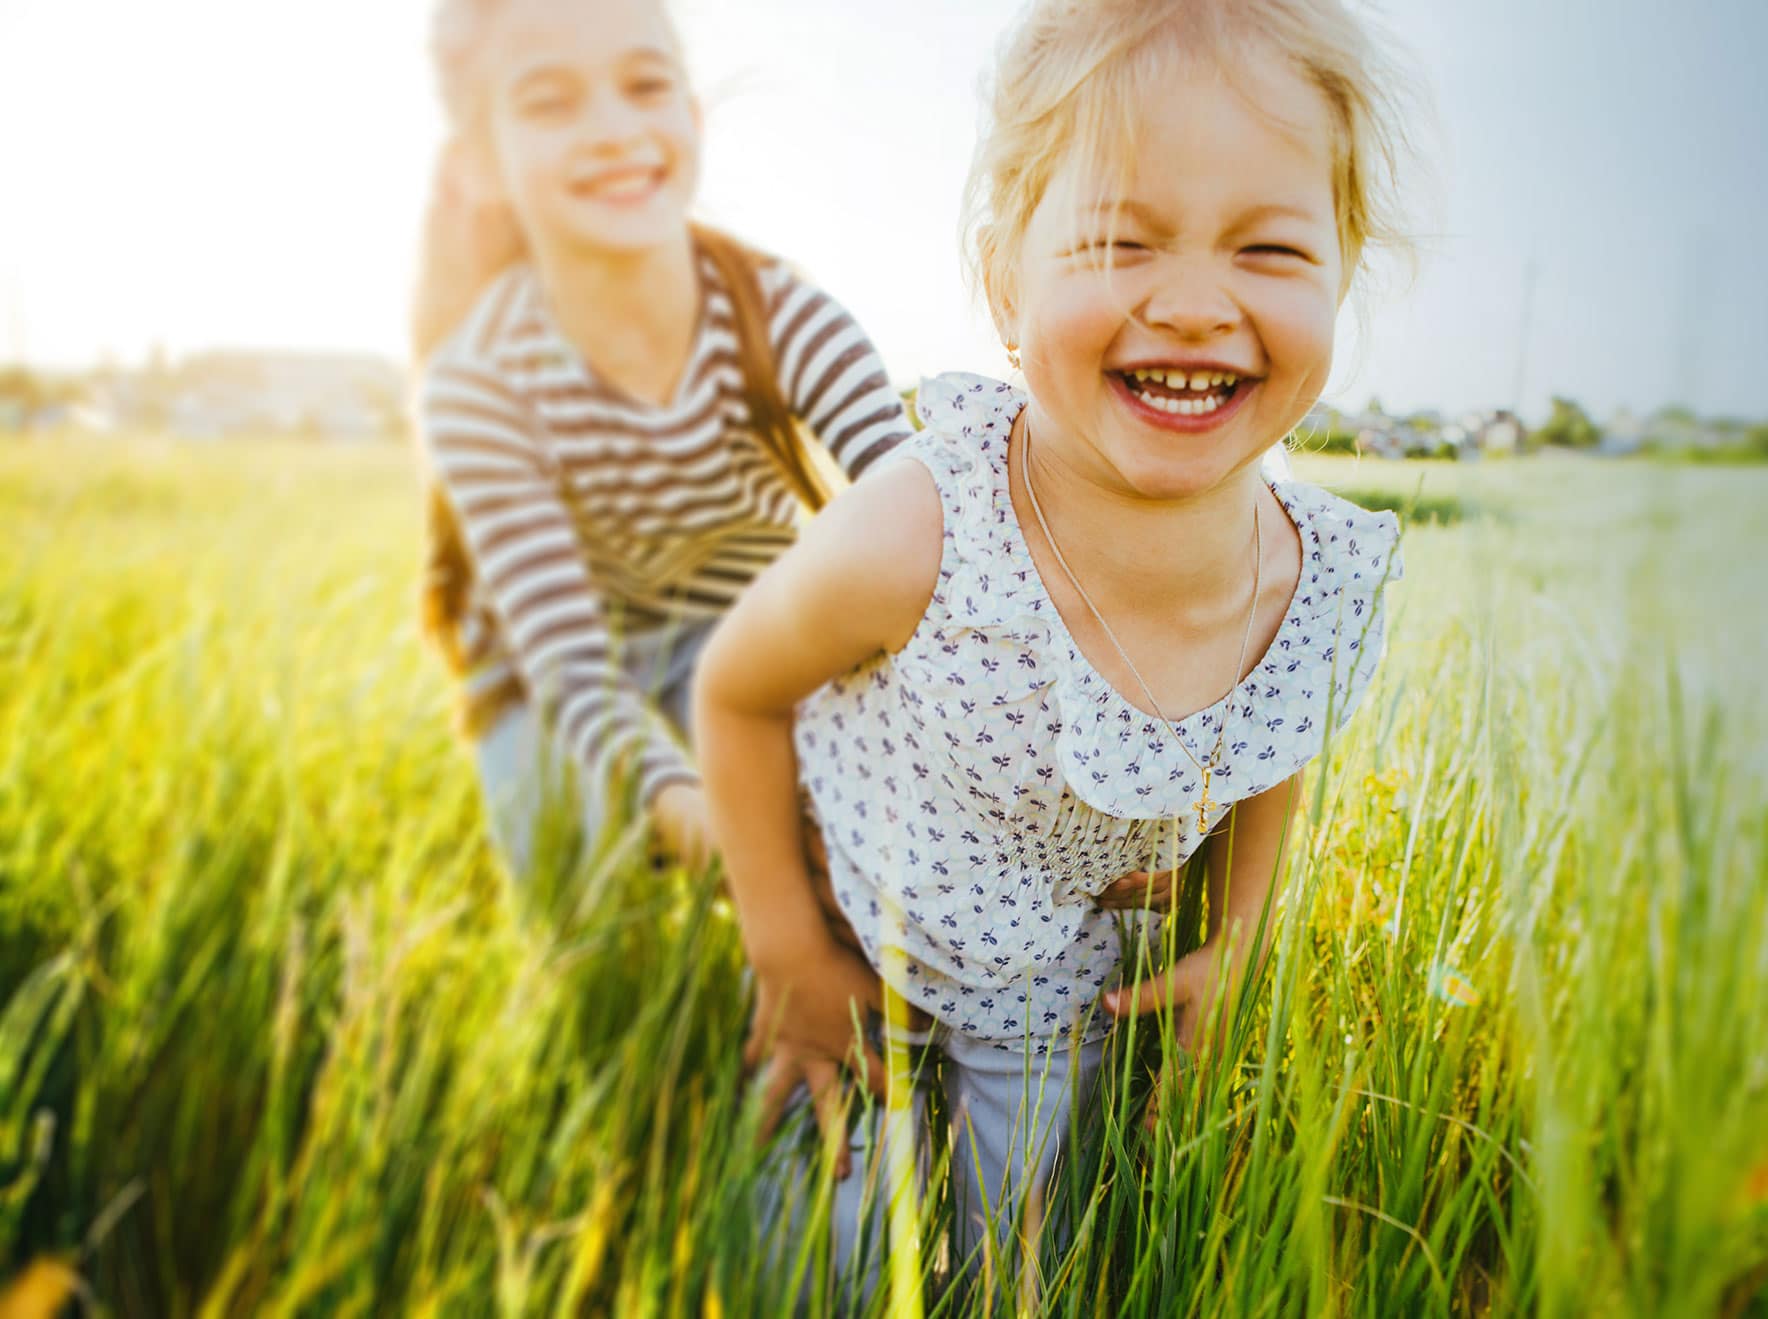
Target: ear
<point>1008,328</point>
<point>1003,300</point>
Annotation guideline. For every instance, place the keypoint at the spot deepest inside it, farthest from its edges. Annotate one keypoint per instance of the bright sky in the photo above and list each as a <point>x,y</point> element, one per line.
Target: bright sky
<point>205,172</point>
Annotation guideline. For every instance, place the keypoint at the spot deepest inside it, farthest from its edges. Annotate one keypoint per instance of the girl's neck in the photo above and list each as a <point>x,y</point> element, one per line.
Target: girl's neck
<point>1191,558</point>
<point>633,316</point>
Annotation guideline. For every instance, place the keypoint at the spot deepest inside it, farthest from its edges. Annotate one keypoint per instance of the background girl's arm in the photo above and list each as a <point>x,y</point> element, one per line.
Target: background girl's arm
<point>832,376</point>
<point>483,448</point>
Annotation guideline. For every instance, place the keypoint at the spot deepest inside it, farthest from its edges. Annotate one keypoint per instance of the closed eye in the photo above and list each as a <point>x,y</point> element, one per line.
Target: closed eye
<point>1277,249</point>
<point>1112,245</point>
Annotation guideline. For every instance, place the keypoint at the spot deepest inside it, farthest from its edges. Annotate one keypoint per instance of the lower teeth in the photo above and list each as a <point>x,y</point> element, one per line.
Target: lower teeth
<point>1184,407</point>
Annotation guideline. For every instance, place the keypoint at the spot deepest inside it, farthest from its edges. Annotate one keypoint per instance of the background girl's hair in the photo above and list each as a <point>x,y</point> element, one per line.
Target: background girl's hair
<point>468,242</point>
<point>1070,75</point>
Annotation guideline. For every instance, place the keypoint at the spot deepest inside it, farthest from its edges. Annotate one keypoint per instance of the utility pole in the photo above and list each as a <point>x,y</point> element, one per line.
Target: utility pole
<point>1688,329</point>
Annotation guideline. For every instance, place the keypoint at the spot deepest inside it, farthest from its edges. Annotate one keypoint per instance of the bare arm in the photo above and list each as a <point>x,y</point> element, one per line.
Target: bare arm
<point>855,586</point>
<point>1241,861</point>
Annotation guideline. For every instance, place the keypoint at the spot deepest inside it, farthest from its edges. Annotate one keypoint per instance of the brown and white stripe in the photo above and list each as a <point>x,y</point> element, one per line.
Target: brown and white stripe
<point>586,513</point>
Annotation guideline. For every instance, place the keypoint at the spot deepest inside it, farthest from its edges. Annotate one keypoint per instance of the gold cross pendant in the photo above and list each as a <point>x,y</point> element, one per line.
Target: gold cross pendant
<point>1203,805</point>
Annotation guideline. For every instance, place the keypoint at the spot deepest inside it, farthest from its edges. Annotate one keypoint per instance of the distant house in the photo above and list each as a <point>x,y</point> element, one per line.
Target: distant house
<point>1501,432</point>
<point>330,396</point>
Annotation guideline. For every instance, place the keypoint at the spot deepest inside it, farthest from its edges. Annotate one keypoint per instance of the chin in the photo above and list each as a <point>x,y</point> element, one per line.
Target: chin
<point>1168,477</point>
<point>631,234</point>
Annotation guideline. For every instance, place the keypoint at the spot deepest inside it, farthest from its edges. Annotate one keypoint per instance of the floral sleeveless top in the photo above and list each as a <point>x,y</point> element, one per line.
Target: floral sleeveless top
<point>979,787</point>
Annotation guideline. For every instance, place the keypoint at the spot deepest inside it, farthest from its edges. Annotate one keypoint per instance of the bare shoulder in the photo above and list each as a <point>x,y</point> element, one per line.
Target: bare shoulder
<point>854,586</point>
<point>876,548</point>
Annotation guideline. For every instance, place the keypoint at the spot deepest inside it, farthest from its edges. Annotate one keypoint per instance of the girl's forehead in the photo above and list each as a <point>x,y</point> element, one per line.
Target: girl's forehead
<point>1259,135</point>
<point>585,34</point>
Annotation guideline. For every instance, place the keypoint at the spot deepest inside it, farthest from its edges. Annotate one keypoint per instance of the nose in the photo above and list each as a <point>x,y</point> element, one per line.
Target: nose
<point>1192,302</point>
<point>609,123</point>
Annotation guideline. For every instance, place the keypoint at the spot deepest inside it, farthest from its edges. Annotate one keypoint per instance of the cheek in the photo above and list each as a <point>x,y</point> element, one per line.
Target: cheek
<point>1297,325</point>
<point>528,158</point>
<point>683,135</point>
<point>1071,321</point>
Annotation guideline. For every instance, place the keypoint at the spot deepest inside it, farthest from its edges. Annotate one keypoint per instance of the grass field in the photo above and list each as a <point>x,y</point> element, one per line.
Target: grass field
<point>273,1039</point>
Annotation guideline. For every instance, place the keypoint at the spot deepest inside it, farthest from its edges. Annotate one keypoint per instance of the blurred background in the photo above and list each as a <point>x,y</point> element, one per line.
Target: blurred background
<point>210,203</point>
<point>274,1039</point>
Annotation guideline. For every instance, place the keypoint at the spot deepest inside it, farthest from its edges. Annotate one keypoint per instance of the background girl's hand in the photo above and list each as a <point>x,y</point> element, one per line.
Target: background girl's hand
<point>684,827</point>
<point>804,1031</point>
<point>1141,889</point>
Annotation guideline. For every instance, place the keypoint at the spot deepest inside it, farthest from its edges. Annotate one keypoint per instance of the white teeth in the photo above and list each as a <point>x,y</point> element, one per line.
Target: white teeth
<point>622,187</point>
<point>1196,381</point>
<point>1184,407</point>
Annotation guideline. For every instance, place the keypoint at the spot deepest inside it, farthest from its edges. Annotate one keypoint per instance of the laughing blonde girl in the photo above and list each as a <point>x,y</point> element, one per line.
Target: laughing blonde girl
<point>617,407</point>
<point>1072,637</point>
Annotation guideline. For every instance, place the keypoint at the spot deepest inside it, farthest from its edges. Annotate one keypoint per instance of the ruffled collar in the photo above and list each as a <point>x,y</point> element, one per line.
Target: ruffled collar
<point>991,581</point>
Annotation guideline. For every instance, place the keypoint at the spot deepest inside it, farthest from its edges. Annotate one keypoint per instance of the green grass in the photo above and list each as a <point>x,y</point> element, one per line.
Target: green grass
<point>274,1039</point>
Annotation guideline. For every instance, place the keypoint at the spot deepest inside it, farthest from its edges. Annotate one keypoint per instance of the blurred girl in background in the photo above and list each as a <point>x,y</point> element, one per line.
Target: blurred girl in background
<point>617,410</point>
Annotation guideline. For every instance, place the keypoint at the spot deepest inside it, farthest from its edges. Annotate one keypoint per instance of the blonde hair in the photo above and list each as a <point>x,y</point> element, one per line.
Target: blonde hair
<point>468,243</point>
<point>1070,77</point>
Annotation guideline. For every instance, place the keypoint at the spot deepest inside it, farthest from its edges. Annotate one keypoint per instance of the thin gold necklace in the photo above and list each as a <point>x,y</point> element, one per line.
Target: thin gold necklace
<point>1205,767</point>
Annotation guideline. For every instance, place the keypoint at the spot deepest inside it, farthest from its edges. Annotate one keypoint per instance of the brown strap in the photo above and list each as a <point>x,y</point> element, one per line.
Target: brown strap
<point>769,413</point>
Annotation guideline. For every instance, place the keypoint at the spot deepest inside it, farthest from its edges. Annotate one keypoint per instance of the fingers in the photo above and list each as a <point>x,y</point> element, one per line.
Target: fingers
<point>828,1098</point>
<point>763,1028</point>
<point>822,1077</point>
<point>868,1069</point>
<point>1164,990</point>
<point>778,1081</point>
<point>1139,889</point>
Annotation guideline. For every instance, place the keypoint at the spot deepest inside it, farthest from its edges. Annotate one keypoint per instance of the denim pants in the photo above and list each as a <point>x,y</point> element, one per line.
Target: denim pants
<point>1008,1111</point>
<point>522,767</point>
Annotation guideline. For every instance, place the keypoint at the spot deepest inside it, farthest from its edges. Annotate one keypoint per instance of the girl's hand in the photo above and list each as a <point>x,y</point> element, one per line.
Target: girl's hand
<point>803,1031</point>
<point>683,824</point>
<point>1173,989</point>
<point>1141,889</point>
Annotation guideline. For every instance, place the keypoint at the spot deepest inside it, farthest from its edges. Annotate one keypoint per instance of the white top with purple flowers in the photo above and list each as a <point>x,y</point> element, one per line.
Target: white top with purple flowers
<point>978,788</point>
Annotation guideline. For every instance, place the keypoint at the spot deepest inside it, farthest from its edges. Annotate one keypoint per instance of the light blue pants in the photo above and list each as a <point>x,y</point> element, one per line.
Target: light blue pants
<point>522,768</point>
<point>1009,1134</point>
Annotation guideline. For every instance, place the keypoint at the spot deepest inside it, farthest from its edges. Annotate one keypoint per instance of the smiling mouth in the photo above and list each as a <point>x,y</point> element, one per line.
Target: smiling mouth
<point>619,186</point>
<point>1184,393</point>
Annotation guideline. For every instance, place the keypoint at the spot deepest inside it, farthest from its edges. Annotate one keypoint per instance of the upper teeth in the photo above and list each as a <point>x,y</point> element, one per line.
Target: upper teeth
<point>1181,380</point>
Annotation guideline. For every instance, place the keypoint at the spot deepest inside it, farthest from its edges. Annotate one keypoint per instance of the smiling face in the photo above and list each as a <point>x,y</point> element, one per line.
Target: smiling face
<point>591,126</point>
<point>1176,317</point>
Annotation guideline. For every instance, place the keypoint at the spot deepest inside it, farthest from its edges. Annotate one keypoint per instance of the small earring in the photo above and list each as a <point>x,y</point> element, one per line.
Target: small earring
<point>1013,356</point>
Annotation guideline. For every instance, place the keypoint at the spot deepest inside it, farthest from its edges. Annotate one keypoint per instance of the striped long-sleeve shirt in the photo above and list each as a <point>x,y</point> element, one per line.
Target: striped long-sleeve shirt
<point>583,510</point>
